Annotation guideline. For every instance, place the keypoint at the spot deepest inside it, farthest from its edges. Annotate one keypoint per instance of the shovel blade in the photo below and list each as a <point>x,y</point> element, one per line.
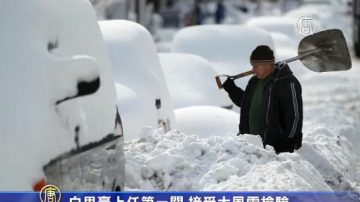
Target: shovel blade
<point>333,55</point>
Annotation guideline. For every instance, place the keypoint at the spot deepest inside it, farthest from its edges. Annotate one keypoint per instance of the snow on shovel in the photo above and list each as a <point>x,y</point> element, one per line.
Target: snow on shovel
<point>323,51</point>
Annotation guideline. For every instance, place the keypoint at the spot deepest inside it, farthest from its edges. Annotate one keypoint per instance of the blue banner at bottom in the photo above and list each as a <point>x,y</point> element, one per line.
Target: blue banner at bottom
<point>179,197</point>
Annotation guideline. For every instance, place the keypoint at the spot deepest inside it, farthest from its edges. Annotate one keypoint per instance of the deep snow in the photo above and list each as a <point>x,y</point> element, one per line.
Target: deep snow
<point>199,159</point>
<point>328,159</point>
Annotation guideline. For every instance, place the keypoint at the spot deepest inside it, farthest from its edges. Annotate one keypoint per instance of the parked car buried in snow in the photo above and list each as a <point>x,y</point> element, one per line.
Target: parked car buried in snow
<point>58,104</point>
<point>191,81</point>
<point>143,96</point>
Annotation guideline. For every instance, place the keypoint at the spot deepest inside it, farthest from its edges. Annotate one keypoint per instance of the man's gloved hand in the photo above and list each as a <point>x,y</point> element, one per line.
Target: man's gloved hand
<point>229,84</point>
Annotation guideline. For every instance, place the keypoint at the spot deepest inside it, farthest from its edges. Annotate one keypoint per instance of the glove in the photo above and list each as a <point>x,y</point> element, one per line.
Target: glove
<point>229,84</point>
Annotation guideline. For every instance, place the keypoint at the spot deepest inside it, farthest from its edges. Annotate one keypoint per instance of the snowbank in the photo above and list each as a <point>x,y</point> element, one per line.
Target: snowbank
<point>45,53</point>
<point>191,81</point>
<point>136,65</point>
<point>227,47</point>
<point>332,112</point>
<point>177,161</point>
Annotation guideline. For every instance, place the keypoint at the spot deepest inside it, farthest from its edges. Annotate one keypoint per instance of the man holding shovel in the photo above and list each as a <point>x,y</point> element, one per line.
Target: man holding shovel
<point>271,105</point>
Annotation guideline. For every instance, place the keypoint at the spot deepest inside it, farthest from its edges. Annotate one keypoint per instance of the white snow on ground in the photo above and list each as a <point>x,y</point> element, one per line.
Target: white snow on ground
<point>176,161</point>
<point>332,109</point>
<point>209,159</point>
<point>328,160</point>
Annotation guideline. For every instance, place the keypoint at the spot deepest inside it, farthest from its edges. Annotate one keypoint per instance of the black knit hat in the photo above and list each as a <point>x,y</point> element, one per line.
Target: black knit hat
<point>262,54</point>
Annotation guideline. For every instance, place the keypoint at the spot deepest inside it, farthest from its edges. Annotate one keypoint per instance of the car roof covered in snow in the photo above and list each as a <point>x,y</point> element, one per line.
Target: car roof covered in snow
<point>136,64</point>
<point>191,80</point>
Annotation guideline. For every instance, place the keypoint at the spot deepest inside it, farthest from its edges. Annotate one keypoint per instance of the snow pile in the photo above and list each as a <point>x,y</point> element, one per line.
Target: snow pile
<point>176,161</point>
<point>45,53</point>
<point>191,81</point>
<point>327,161</point>
<point>227,47</point>
<point>136,66</point>
<point>332,114</point>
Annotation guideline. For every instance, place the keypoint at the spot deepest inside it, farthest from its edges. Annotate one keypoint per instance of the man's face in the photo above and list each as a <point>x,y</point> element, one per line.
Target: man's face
<point>262,70</point>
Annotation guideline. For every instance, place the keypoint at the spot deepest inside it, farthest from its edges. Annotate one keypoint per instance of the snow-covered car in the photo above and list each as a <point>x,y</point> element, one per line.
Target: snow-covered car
<point>191,81</point>
<point>227,47</point>
<point>137,69</point>
<point>58,101</point>
<point>207,121</point>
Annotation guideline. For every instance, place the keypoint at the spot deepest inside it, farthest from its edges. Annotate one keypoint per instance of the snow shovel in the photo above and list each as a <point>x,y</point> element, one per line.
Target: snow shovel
<point>323,51</point>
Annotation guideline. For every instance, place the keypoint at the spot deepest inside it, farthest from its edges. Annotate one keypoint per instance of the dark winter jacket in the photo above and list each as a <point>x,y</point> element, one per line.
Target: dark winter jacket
<point>283,107</point>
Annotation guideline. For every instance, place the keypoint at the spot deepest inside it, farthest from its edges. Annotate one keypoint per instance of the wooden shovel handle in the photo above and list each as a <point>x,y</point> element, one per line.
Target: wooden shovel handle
<point>250,72</point>
<point>218,81</point>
